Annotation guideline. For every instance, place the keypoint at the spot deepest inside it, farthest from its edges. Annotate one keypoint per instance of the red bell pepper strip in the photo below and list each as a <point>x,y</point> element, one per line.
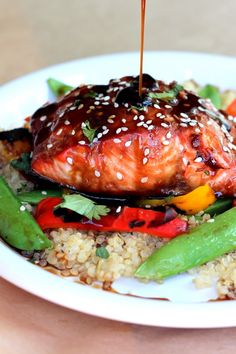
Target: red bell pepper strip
<point>128,220</point>
<point>231,109</point>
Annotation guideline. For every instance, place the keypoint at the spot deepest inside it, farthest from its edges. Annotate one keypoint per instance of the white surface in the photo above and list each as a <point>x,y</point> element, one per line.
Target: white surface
<point>188,307</point>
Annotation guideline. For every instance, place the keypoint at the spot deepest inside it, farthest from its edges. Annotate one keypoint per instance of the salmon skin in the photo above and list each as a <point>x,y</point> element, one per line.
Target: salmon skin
<point>106,139</point>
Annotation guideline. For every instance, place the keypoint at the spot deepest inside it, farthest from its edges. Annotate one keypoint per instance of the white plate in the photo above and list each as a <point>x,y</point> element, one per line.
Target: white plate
<point>188,307</point>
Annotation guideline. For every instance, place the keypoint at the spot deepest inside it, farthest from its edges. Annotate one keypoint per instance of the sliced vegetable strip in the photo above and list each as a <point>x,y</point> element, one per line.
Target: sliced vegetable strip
<point>128,220</point>
<point>231,109</point>
<point>17,226</point>
<point>36,196</point>
<point>202,244</point>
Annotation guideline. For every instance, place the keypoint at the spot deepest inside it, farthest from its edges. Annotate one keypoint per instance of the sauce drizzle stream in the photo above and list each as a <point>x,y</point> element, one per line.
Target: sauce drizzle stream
<point>143,11</point>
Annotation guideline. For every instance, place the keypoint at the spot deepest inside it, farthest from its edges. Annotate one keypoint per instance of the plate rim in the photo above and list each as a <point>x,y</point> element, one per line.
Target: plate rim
<point>221,311</point>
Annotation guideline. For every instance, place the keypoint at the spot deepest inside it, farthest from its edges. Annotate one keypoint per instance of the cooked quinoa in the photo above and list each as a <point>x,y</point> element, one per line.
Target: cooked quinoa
<point>74,252</point>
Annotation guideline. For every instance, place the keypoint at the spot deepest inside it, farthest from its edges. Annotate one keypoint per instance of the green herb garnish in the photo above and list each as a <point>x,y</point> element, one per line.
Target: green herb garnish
<point>58,88</point>
<point>90,94</point>
<point>167,95</point>
<point>213,93</point>
<point>23,163</point>
<point>102,252</point>
<point>88,131</point>
<point>138,108</point>
<point>83,206</point>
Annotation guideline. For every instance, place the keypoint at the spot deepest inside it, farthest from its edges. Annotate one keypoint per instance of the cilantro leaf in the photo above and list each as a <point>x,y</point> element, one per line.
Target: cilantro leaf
<point>88,131</point>
<point>102,252</point>
<point>213,93</point>
<point>58,88</point>
<point>167,95</point>
<point>83,206</point>
<point>90,94</point>
<point>23,163</point>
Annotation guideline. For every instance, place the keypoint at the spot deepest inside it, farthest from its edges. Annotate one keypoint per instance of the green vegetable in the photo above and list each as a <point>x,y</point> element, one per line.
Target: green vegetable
<point>219,206</point>
<point>23,163</point>
<point>35,197</point>
<point>17,226</point>
<point>213,93</point>
<point>167,95</point>
<point>90,94</point>
<point>83,206</point>
<point>58,87</point>
<point>102,252</point>
<point>88,131</point>
<point>202,244</point>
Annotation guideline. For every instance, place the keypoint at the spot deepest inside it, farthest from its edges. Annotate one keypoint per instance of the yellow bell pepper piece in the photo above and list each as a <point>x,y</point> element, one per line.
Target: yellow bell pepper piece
<point>195,201</point>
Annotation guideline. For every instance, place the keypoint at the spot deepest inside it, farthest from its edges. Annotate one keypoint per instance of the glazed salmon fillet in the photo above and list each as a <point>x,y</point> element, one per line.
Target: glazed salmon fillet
<point>106,139</point>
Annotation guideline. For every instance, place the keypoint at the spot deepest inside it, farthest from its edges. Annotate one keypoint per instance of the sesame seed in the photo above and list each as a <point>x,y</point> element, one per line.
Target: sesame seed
<point>118,131</point>
<point>149,121</point>
<point>73,108</point>
<point>118,210</point>
<point>139,124</point>
<point>88,111</point>
<point>184,115</point>
<point>201,109</point>
<point>126,105</point>
<point>145,160</point>
<point>185,161</point>
<point>116,89</point>
<point>144,180</point>
<point>49,146</point>
<point>73,132</point>
<point>67,122</point>
<point>81,106</point>
<point>158,115</point>
<point>44,193</point>
<point>116,105</point>
<point>183,125</point>
<point>95,140</point>
<point>99,135</point>
<point>97,173</point>
<point>165,142</point>
<point>96,103</point>
<point>226,149</point>
<point>119,176</point>
<point>185,120</point>
<point>91,107</point>
<point>197,130</point>
<point>135,117</point>
<point>49,124</point>
<point>43,118</point>
<point>106,98</point>
<point>151,127</point>
<point>110,120</point>
<point>193,124</point>
<point>22,208</point>
<point>141,117</point>
<point>200,125</point>
<point>105,131</point>
<point>128,143</point>
<point>157,106</point>
<point>198,159</point>
<point>164,125</point>
<point>69,160</point>
<point>211,220</point>
<point>167,106</point>
<point>104,127</point>
<point>168,135</point>
<point>81,142</point>
<point>124,129</point>
<point>162,116</point>
<point>209,122</point>
<point>117,141</point>
<point>123,120</point>
<point>146,152</point>
<point>145,125</point>
<point>112,116</point>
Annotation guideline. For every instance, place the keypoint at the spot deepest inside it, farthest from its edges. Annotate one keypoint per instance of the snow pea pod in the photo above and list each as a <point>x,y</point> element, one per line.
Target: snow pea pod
<point>36,196</point>
<point>17,226</point>
<point>202,244</point>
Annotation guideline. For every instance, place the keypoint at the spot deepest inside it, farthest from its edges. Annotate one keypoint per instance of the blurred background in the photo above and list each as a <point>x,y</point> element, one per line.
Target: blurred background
<point>38,33</point>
